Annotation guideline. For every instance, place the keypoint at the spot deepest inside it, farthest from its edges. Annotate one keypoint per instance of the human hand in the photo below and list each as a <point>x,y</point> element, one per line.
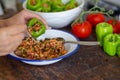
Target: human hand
<point>13,31</point>
<point>23,17</point>
<point>10,38</point>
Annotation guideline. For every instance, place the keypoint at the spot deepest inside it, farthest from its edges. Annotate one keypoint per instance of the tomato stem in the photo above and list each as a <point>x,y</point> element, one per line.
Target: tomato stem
<point>94,9</point>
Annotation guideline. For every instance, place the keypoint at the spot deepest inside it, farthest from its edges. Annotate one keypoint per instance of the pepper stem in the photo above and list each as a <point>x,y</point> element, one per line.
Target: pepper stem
<point>113,39</point>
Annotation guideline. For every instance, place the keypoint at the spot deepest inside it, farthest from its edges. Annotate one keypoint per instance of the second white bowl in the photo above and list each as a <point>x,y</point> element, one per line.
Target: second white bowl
<point>60,19</point>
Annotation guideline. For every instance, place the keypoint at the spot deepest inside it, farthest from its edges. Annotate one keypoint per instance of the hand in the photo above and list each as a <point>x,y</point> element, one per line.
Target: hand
<point>23,17</point>
<point>10,38</point>
<point>13,31</point>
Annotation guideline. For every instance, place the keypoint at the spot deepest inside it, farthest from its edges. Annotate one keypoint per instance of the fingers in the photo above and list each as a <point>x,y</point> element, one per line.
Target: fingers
<point>28,15</point>
<point>11,44</point>
<point>23,17</point>
<point>11,37</point>
<point>3,53</point>
<point>12,30</point>
<point>16,29</point>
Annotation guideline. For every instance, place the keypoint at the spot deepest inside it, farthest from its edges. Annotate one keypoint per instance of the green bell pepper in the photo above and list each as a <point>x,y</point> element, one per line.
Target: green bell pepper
<point>70,5</point>
<point>118,50</point>
<point>34,5</point>
<point>111,42</point>
<point>57,5</point>
<point>46,6</point>
<point>102,29</point>
<point>36,27</point>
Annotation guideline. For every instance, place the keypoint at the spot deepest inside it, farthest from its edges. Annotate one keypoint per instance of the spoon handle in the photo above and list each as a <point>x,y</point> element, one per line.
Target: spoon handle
<point>84,42</point>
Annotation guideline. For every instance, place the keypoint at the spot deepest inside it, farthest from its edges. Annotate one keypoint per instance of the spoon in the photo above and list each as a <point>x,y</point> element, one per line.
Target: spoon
<point>29,34</point>
<point>79,42</point>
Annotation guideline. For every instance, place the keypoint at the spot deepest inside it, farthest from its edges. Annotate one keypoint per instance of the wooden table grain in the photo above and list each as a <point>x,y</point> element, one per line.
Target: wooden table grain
<point>88,63</point>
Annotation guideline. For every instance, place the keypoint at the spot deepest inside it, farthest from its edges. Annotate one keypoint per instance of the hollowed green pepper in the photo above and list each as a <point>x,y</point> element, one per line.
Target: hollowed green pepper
<point>71,4</point>
<point>34,5</point>
<point>46,6</point>
<point>36,27</point>
<point>103,29</point>
<point>57,5</point>
<point>111,42</point>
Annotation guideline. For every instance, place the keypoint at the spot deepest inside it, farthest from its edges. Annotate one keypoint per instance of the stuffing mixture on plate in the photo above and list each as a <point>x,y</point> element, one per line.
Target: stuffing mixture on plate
<point>41,50</point>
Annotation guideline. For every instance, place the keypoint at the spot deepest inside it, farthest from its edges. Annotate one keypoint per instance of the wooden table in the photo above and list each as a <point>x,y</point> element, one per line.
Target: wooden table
<point>89,63</point>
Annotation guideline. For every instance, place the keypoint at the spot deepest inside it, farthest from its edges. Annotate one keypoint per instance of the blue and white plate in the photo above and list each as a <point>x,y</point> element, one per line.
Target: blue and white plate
<point>52,33</point>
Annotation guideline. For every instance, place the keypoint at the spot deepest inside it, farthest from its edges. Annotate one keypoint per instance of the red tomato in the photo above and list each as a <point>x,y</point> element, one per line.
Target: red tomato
<point>115,24</point>
<point>95,18</point>
<point>82,30</point>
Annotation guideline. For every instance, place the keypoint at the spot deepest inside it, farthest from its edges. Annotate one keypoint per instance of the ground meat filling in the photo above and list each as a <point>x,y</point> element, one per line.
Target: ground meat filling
<point>44,49</point>
<point>35,28</point>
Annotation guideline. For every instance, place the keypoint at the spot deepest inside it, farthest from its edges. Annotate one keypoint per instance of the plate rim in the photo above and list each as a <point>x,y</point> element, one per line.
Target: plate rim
<point>61,57</point>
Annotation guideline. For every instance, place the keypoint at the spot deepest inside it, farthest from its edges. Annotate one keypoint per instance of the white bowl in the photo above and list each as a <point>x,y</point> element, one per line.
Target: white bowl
<point>60,19</point>
<point>53,33</point>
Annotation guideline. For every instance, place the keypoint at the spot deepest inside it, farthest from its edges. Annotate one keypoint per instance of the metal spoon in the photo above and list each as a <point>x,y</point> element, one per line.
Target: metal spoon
<point>29,34</point>
<point>79,42</point>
